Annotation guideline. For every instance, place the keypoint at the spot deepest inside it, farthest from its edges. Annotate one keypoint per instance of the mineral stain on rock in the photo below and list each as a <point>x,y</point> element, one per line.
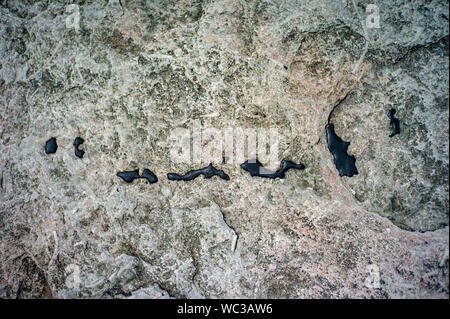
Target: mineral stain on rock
<point>208,172</point>
<point>394,122</point>
<point>149,175</point>
<point>78,141</point>
<point>130,176</point>
<point>345,163</point>
<point>255,168</point>
<point>51,146</point>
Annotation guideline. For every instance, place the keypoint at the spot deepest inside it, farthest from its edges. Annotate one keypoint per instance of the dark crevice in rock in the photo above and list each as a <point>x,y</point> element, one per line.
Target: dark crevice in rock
<point>196,268</point>
<point>208,172</point>
<point>144,259</point>
<point>195,264</point>
<point>231,227</point>
<point>401,225</point>
<point>419,47</point>
<point>337,105</point>
<point>394,122</point>
<point>344,163</point>
<point>233,249</point>
<point>255,168</point>
<point>121,7</point>
<point>115,291</point>
<point>167,290</point>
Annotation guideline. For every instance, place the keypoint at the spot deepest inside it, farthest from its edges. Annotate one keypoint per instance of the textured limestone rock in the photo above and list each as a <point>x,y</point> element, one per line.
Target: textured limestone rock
<point>135,71</point>
<point>405,177</point>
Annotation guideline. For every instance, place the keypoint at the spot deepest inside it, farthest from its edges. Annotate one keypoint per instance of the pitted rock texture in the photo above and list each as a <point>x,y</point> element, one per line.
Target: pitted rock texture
<point>137,70</point>
<point>404,178</point>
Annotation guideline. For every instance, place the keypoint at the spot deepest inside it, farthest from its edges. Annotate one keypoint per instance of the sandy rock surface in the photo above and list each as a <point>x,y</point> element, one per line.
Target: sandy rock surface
<point>131,73</point>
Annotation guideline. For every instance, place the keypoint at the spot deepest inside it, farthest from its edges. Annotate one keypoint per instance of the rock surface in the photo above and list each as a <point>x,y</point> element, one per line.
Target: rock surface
<point>135,71</point>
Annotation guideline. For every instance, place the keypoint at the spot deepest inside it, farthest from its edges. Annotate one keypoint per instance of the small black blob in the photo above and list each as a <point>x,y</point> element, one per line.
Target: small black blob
<point>78,141</point>
<point>344,163</point>
<point>394,122</point>
<point>285,67</point>
<point>255,168</point>
<point>129,176</point>
<point>51,146</point>
<point>208,172</point>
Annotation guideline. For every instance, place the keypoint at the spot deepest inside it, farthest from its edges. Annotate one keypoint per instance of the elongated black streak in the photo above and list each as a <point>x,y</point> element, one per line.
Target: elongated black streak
<point>255,168</point>
<point>51,146</point>
<point>130,176</point>
<point>78,141</point>
<point>344,163</point>
<point>148,174</point>
<point>208,172</point>
<point>394,122</point>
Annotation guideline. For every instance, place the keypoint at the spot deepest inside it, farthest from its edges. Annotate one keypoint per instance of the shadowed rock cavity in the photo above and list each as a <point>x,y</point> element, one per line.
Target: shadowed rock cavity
<point>208,172</point>
<point>345,163</point>
<point>394,122</point>
<point>255,168</point>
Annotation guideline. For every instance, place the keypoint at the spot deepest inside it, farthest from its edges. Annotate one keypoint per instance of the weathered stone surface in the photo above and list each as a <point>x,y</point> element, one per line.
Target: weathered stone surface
<point>131,75</point>
<point>404,178</point>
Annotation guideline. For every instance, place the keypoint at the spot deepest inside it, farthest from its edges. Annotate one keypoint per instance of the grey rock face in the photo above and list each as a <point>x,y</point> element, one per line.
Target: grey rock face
<point>135,71</point>
<point>404,178</point>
